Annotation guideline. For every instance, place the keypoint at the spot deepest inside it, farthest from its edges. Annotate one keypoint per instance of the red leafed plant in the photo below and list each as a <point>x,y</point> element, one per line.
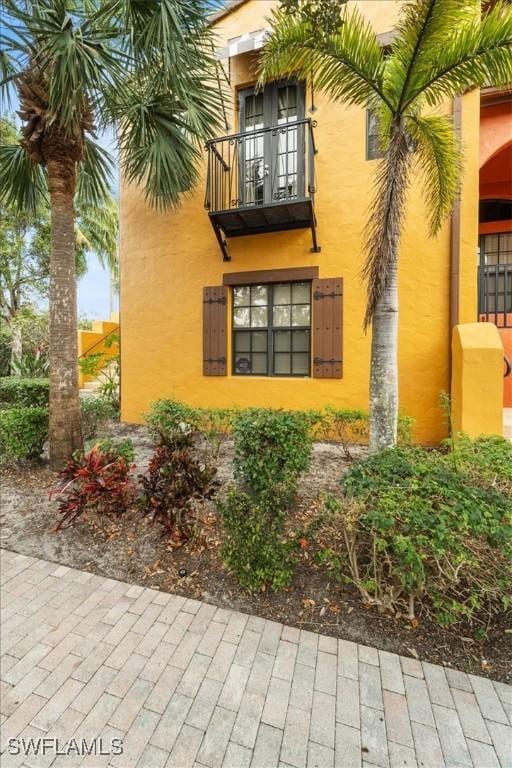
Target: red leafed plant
<point>174,483</point>
<point>96,482</point>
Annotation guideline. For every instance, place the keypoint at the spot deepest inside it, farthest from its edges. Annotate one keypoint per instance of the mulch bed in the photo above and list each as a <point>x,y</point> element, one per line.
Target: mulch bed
<point>133,550</point>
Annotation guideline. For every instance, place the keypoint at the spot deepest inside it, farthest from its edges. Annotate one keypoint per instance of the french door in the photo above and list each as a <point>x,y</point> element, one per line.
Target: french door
<point>272,145</point>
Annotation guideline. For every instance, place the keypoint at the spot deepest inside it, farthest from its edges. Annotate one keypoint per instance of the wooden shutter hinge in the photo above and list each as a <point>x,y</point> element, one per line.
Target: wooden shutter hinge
<point>321,361</point>
<point>319,295</point>
<point>222,300</point>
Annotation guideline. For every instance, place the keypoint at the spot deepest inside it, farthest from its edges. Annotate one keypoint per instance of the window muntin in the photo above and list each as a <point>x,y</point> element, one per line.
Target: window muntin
<point>496,248</point>
<point>272,329</point>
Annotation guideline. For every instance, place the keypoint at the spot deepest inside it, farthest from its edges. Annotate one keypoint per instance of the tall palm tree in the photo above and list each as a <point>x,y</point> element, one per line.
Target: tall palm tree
<point>143,68</point>
<point>441,50</point>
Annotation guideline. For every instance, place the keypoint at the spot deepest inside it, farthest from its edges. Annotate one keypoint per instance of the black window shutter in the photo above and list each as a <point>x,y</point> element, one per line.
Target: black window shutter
<point>215,308</point>
<point>328,328</point>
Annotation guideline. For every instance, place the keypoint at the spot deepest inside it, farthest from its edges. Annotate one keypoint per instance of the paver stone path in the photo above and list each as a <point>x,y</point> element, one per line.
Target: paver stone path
<point>179,683</point>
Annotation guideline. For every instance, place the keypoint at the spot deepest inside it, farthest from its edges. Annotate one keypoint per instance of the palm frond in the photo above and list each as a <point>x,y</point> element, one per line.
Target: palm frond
<point>439,157</point>
<point>94,178</point>
<point>98,228</point>
<point>160,134</point>
<point>165,31</point>
<point>473,53</point>
<point>22,184</point>
<point>422,24</point>
<point>348,65</point>
<point>73,55</point>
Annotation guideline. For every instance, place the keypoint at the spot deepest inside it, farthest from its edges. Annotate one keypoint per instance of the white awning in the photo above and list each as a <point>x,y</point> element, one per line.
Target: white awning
<point>243,44</point>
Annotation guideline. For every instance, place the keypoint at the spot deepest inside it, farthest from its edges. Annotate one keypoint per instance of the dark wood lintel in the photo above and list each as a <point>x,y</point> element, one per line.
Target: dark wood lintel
<point>270,276</point>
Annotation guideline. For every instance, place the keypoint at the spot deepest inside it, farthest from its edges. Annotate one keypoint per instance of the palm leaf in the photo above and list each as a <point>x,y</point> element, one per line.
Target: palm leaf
<point>439,156</point>
<point>349,65</point>
<point>421,26</point>
<point>94,178</point>
<point>98,228</point>
<point>470,54</point>
<point>160,134</point>
<point>22,184</point>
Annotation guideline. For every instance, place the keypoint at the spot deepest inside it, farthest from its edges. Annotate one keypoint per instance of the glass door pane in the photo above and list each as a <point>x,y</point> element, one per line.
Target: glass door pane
<point>285,183</point>
<point>272,151</point>
<point>253,154</point>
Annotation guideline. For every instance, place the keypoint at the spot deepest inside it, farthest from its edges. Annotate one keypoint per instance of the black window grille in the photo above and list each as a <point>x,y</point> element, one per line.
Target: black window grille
<point>495,278</point>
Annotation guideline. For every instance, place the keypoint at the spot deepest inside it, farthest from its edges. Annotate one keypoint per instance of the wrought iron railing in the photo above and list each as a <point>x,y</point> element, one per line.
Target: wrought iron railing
<point>263,167</point>
<point>495,294</point>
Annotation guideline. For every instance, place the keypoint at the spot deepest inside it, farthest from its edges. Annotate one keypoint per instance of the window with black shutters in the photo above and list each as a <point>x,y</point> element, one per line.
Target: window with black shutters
<point>272,329</point>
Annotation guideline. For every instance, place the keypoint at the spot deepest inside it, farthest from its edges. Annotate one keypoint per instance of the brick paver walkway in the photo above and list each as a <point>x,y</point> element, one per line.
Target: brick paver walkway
<point>183,683</point>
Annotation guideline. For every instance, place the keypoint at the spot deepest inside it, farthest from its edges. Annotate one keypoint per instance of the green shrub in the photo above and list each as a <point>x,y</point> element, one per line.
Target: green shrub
<point>253,546</point>
<point>415,530</point>
<point>348,425</point>
<point>272,448</point>
<point>91,364</point>
<point>488,460</point>
<point>96,413</point>
<point>173,422</point>
<point>23,432</point>
<point>24,393</point>
<point>119,449</point>
<point>340,425</point>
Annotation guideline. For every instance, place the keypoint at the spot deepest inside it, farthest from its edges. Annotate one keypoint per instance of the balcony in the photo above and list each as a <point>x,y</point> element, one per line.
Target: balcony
<point>495,294</point>
<point>262,181</point>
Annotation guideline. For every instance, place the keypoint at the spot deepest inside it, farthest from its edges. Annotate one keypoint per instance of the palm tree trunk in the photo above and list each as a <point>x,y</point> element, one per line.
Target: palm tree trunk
<point>65,421</point>
<point>381,273</point>
<point>384,364</point>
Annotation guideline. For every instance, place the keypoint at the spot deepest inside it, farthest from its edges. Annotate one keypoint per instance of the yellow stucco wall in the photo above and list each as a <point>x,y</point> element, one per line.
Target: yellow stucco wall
<point>93,341</point>
<point>477,382</point>
<point>166,259</point>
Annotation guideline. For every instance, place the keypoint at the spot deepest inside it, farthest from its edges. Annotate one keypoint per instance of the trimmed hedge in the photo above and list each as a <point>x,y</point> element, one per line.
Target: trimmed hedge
<point>24,393</point>
<point>345,426</point>
<point>23,432</point>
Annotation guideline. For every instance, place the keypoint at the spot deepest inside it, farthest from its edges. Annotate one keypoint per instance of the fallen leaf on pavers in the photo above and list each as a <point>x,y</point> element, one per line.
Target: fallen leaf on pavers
<point>308,603</point>
<point>413,652</point>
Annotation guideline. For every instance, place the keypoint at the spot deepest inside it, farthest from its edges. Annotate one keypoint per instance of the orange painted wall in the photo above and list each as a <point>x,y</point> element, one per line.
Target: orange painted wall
<point>495,129</point>
<point>506,337</point>
<point>496,175</point>
<point>496,183</point>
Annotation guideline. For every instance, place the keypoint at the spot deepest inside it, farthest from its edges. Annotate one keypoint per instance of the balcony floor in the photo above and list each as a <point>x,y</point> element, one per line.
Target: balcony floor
<point>257,219</point>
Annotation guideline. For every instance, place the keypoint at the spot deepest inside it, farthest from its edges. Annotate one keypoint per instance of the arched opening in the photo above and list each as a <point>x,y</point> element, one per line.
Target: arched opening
<point>495,229</point>
<point>495,245</point>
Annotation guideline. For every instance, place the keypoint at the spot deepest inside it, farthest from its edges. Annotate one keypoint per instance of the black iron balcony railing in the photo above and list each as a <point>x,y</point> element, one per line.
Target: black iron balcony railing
<point>262,181</point>
<point>495,294</point>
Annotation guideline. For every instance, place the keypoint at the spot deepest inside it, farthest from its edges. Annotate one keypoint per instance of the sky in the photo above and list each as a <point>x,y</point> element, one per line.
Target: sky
<point>94,297</point>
